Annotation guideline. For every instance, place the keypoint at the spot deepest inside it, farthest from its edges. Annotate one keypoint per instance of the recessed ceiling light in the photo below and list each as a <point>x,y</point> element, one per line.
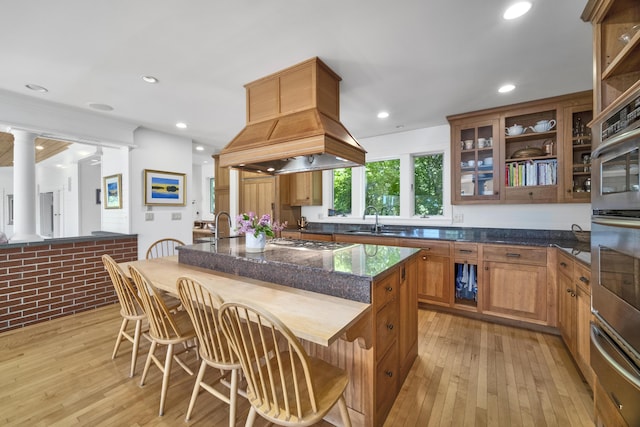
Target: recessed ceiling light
<point>383,115</point>
<point>199,148</point>
<point>39,147</point>
<point>516,10</point>
<point>99,106</point>
<point>37,88</point>
<point>181,125</point>
<point>506,88</point>
<point>150,79</point>
<point>270,169</point>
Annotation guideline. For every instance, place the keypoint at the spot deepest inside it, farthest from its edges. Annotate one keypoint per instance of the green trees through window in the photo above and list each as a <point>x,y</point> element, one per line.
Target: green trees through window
<point>428,184</point>
<point>382,189</point>
<point>342,191</point>
<point>383,186</point>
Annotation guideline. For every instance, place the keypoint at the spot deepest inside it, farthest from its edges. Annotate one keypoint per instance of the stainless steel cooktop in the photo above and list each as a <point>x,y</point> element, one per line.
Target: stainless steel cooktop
<point>310,244</point>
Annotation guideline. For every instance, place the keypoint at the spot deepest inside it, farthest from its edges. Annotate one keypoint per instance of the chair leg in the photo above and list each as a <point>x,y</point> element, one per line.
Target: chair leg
<point>233,398</point>
<point>196,389</point>
<point>251,418</point>
<point>152,349</point>
<point>344,412</point>
<point>123,326</point>
<point>136,344</point>
<point>165,377</point>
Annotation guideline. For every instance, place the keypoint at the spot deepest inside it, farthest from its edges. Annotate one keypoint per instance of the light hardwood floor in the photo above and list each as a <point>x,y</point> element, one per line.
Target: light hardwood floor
<point>468,372</point>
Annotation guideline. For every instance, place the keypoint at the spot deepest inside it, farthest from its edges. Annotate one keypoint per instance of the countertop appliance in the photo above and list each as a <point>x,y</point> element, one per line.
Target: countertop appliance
<point>615,263</point>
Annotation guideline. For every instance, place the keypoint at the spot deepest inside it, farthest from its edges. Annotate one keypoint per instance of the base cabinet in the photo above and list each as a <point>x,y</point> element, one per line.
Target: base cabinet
<point>514,283</point>
<point>434,271</point>
<point>574,311</point>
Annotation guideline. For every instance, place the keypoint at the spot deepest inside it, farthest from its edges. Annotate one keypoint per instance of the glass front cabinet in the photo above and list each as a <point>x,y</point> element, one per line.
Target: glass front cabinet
<point>476,162</point>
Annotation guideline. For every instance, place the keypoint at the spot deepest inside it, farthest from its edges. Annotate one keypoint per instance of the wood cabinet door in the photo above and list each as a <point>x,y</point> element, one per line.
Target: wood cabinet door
<point>566,310</point>
<point>258,195</point>
<point>517,291</point>
<point>583,338</point>
<point>305,189</point>
<point>408,336</point>
<point>434,278</point>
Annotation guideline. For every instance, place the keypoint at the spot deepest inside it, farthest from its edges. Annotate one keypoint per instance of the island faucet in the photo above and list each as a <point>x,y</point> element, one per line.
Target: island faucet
<point>377,227</point>
<point>217,220</point>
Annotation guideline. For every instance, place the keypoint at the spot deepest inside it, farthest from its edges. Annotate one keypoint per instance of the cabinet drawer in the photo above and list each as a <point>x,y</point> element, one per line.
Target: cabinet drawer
<point>386,382</point>
<point>582,274</point>
<point>564,264</point>
<point>386,290</point>
<point>532,194</point>
<point>290,234</point>
<point>466,251</point>
<point>386,328</point>
<point>515,254</point>
<point>433,247</point>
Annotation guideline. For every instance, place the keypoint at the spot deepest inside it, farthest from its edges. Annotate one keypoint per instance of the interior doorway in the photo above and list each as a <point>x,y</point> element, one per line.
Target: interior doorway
<point>46,214</point>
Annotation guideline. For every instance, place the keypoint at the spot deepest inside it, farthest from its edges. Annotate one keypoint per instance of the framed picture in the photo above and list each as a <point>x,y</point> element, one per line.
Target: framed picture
<point>164,188</point>
<point>113,191</point>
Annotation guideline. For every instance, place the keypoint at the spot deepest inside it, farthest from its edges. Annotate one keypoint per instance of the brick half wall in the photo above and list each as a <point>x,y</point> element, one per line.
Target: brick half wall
<point>43,281</point>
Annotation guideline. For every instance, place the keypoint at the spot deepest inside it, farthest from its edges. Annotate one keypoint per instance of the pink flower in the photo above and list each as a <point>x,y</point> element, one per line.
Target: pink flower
<point>250,223</point>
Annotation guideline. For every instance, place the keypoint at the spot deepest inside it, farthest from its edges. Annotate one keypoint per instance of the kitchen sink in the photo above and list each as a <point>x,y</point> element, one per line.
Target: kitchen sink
<point>373,233</point>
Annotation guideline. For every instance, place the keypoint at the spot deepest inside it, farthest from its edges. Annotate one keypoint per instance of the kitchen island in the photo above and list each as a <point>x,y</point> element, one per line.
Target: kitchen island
<point>378,350</point>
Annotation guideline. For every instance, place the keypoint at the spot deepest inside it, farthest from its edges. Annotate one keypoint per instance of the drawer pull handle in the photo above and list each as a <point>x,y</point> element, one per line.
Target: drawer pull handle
<point>465,251</point>
<point>513,255</point>
<point>389,288</point>
<point>616,401</point>
<point>388,373</point>
<point>563,264</point>
<point>573,294</point>
<point>390,326</point>
<point>584,280</point>
<point>424,258</point>
<point>568,290</point>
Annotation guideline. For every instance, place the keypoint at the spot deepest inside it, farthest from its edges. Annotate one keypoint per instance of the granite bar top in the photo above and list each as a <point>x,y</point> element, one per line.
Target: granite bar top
<point>346,272</point>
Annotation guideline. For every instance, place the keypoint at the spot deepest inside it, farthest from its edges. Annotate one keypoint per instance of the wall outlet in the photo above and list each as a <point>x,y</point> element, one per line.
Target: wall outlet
<point>458,218</point>
<point>148,216</point>
<point>176,216</point>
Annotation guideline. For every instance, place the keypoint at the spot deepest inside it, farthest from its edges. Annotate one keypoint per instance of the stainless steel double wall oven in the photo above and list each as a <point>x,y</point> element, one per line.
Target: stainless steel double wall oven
<point>615,249</point>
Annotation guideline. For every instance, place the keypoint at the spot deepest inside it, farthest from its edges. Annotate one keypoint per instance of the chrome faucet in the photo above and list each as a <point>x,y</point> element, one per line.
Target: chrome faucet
<point>217,220</point>
<point>377,227</point>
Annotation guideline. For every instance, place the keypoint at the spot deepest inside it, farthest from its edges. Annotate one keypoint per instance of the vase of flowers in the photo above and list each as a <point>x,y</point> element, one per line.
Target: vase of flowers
<point>256,229</point>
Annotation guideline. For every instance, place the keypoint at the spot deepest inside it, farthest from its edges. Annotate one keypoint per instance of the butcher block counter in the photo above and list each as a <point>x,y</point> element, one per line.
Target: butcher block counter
<point>353,305</point>
<point>320,319</point>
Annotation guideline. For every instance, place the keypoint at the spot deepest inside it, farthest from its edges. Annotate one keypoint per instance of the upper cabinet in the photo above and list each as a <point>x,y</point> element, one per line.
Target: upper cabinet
<point>616,56</point>
<point>475,161</point>
<point>305,189</point>
<point>522,153</point>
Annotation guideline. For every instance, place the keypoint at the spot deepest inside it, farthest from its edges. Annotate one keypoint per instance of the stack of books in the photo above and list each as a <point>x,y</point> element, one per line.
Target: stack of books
<point>531,172</point>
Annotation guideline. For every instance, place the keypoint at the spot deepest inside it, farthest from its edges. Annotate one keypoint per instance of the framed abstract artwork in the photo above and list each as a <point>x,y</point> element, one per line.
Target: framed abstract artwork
<point>164,188</point>
<point>113,191</point>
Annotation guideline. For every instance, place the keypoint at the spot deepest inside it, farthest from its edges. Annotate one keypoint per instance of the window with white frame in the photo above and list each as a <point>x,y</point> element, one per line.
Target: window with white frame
<point>382,189</point>
<point>428,184</point>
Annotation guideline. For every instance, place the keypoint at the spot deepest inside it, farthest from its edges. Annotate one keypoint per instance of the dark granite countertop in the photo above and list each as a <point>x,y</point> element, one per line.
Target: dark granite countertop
<point>95,236</point>
<point>346,272</point>
<point>563,239</point>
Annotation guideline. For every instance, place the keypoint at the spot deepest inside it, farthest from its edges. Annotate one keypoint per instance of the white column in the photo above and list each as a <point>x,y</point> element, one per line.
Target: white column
<point>24,186</point>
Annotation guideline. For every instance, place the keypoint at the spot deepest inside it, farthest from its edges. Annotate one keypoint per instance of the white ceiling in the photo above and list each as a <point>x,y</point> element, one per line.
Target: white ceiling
<point>420,60</point>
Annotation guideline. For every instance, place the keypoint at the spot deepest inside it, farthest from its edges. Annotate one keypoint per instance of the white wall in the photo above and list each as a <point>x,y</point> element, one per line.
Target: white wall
<point>114,162</point>
<point>89,211</point>
<point>6,188</point>
<point>557,216</point>
<point>163,152</point>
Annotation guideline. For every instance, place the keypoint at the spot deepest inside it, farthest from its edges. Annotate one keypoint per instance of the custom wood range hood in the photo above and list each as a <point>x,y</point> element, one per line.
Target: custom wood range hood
<point>293,124</point>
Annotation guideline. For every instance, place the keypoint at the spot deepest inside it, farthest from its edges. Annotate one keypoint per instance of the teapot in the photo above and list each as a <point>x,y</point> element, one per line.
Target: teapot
<point>515,130</point>
<point>543,126</point>
<point>302,222</point>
